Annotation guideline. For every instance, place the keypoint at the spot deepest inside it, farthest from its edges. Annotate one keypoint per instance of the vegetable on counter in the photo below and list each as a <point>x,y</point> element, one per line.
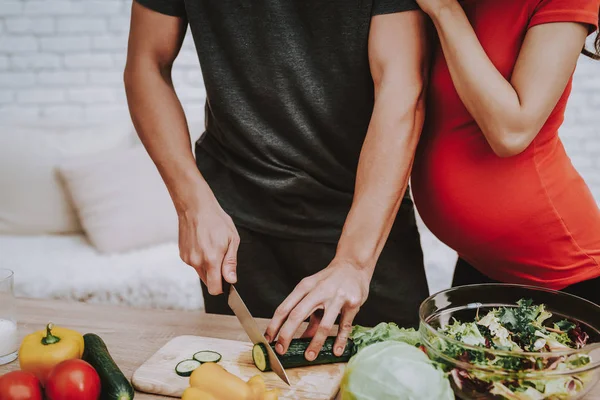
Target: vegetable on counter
<point>193,393</point>
<point>394,370</point>
<point>73,380</point>
<point>259,389</point>
<point>20,385</point>
<point>43,350</point>
<point>115,386</point>
<point>210,381</point>
<point>295,357</point>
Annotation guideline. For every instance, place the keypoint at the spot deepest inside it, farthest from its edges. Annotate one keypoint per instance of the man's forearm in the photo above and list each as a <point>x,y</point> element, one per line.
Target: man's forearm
<point>161,125</point>
<point>383,174</point>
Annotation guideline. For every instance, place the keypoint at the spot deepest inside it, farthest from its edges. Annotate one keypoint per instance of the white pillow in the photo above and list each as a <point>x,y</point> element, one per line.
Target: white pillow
<point>32,199</point>
<point>121,200</point>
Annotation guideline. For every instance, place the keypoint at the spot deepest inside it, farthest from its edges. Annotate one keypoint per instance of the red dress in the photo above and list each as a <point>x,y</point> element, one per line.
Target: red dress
<point>525,219</point>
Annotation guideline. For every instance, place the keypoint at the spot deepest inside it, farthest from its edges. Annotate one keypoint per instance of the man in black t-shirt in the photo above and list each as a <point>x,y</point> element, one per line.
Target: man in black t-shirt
<point>297,191</point>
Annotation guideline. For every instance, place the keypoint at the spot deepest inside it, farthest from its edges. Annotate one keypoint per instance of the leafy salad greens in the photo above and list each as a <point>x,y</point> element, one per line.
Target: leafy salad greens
<point>521,329</point>
<point>384,332</point>
<point>521,332</point>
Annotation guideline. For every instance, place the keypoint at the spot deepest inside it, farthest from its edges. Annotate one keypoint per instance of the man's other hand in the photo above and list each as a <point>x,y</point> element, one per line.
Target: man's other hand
<point>340,289</point>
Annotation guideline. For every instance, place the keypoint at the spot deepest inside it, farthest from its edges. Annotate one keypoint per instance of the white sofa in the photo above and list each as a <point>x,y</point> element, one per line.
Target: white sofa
<point>41,237</point>
<point>43,241</point>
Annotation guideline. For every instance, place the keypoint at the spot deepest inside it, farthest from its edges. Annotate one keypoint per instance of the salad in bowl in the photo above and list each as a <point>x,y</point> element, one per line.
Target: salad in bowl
<point>513,342</point>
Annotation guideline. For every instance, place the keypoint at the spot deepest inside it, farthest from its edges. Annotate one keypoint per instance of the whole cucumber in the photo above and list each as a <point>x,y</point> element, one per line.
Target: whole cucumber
<point>115,386</point>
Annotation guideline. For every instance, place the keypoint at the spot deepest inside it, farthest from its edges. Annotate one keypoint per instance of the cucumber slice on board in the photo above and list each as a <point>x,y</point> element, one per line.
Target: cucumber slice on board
<point>207,356</point>
<point>186,367</point>
<point>260,357</point>
<point>295,358</point>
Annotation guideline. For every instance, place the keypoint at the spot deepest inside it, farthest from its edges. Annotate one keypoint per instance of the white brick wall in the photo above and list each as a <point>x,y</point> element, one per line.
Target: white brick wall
<point>65,58</point>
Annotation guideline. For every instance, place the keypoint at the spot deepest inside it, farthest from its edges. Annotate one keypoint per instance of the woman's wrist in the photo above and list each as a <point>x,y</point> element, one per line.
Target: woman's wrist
<point>443,9</point>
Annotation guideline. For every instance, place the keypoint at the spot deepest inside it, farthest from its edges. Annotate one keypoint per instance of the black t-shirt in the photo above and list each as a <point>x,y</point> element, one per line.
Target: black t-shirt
<point>289,100</point>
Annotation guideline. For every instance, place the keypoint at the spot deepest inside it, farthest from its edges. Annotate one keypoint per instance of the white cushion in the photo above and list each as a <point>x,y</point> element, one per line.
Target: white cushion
<point>32,199</point>
<point>121,200</point>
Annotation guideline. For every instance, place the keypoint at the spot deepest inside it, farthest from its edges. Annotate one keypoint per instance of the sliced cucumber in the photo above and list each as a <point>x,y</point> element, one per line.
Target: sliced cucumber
<point>260,357</point>
<point>186,367</point>
<point>207,356</point>
<point>295,355</point>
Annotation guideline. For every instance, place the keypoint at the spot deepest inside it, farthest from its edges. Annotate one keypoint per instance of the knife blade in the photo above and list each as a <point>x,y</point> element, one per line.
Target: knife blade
<point>241,311</point>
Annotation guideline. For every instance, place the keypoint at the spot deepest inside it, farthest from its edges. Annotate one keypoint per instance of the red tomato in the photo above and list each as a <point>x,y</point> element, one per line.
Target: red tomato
<point>20,385</point>
<point>73,380</point>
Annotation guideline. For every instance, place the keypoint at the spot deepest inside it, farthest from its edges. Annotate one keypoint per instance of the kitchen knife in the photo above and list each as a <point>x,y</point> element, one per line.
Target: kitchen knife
<point>254,333</point>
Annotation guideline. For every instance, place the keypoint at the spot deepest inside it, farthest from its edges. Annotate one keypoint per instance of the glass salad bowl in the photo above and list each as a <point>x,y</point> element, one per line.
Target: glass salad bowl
<point>497,342</point>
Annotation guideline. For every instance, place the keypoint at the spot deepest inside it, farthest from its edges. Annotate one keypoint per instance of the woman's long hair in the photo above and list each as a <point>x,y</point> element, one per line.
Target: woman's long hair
<point>595,53</point>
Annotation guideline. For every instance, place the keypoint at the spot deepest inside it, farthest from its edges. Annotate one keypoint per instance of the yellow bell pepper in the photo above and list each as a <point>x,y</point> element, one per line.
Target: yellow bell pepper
<point>42,350</point>
<point>210,381</point>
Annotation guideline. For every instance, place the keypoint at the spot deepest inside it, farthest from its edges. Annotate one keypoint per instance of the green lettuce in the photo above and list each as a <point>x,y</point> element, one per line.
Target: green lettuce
<point>467,333</point>
<point>384,332</point>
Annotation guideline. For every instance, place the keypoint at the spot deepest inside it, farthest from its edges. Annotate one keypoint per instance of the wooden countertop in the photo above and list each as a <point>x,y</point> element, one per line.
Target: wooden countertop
<point>132,335</point>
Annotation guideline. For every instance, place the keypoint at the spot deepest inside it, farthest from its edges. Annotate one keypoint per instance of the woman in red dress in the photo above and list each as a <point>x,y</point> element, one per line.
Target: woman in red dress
<point>491,177</point>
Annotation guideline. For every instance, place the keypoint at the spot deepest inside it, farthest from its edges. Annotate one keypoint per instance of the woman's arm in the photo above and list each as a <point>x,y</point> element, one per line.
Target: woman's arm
<point>510,113</point>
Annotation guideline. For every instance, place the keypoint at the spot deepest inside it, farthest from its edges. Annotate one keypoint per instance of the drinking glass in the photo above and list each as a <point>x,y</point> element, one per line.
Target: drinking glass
<point>9,338</point>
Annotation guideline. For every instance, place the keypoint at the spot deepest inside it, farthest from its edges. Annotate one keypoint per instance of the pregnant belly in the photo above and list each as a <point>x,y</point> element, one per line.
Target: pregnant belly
<point>470,198</point>
<point>521,219</point>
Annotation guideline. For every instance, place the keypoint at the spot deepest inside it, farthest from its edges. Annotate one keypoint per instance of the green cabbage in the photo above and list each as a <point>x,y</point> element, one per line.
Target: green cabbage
<point>394,370</point>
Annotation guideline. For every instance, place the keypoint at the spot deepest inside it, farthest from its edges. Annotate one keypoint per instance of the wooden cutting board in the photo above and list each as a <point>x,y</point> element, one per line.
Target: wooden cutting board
<point>157,375</point>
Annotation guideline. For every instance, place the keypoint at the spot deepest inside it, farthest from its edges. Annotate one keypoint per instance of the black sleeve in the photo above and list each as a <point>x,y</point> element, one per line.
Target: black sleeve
<point>393,6</point>
<point>175,8</point>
